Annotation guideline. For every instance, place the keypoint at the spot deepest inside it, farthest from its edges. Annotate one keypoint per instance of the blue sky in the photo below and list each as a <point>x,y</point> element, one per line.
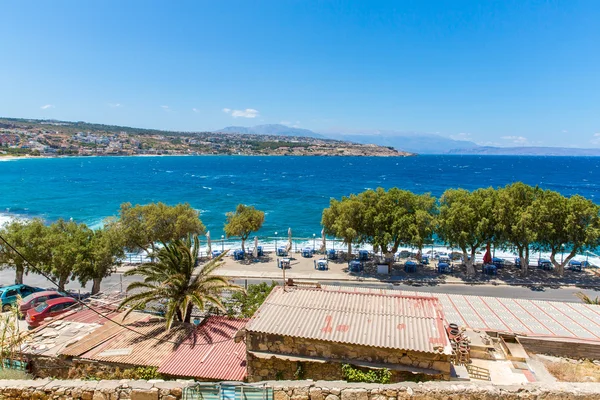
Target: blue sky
<point>495,72</point>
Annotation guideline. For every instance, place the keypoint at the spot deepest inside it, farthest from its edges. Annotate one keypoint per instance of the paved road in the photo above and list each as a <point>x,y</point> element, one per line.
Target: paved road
<point>114,281</point>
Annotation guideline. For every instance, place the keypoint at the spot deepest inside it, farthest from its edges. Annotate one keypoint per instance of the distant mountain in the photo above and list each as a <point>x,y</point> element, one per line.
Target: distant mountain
<point>272,129</point>
<point>527,151</point>
<point>422,143</point>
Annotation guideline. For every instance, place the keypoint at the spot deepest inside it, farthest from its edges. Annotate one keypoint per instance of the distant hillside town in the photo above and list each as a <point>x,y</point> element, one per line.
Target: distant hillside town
<point>28,137</point>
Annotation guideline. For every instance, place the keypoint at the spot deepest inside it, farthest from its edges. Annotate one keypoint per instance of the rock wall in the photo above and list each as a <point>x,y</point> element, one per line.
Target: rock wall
<point>260,369</point>
<point>91,390</point>
<point>278,344</point>
<point>299,390</point>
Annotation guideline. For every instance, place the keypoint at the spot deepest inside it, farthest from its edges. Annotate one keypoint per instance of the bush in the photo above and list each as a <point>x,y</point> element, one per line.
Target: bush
<point>352,374</point>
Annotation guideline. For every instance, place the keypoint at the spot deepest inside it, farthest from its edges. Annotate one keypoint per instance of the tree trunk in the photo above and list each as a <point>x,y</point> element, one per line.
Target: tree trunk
<point>349,250</point>
<point>19,275</point>
<point>62,281</point>
<point>96,285</point>
<point>524,259</point>
<point>560,267</point>
<point>468,262</point>
<point>243,243</point>
<point>188,313</point>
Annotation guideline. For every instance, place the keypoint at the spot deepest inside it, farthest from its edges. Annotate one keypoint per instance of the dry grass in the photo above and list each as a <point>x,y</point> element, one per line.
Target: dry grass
<point>565,371</point>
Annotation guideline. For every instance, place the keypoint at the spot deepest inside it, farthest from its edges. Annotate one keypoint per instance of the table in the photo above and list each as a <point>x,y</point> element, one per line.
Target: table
<point>307,252</point>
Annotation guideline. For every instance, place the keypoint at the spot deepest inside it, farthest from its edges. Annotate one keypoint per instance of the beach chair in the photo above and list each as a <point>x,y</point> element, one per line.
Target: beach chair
<point>410,266</point>
<point>444,268</point>
<point>331,254</point>
<point>363,255</point>
<point>355,266</point>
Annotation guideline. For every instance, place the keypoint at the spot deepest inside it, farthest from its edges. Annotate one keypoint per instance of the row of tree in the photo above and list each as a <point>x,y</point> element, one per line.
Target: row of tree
<point>66,250</point>
<point>516,216</point>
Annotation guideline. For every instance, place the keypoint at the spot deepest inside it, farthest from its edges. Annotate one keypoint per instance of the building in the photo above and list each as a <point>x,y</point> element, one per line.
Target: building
<point>310,333</point>
<point>84,344</point>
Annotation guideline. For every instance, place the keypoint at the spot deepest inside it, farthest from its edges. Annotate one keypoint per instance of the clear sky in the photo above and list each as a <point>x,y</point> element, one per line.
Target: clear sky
<point>497,72</point>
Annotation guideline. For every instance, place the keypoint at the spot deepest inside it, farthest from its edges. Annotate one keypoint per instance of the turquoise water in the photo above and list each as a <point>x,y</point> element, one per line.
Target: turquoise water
<point>291,190</point>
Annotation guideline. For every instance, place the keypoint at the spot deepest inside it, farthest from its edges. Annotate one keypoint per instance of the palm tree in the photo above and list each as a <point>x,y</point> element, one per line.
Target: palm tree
<point>172,278</point>
<point>587,299</point>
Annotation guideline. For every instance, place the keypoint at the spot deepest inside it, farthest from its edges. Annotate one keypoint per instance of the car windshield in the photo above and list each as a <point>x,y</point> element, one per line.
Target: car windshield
<point>41,307</point>
<point>27,299</point>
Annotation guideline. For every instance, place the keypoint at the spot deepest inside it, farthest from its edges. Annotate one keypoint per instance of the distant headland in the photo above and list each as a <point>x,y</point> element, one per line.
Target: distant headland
<point>52,138</point>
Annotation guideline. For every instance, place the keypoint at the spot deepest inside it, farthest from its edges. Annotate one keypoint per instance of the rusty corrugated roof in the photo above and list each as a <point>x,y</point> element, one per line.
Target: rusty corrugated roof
<point>518,316</point>
<point>87,316</point>
<point>140,347</point>
<point>211,352</point>
<point>389,321</point>
<point>102,334</point>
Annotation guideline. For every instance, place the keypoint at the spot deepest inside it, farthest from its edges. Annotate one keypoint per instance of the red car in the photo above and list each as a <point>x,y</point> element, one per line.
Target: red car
<point>34,299</point>
<point>51,308</point>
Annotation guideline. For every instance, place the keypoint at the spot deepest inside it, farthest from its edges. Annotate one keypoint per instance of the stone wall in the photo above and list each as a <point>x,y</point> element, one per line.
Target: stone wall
<point>260,369</point>
<point>66,368</point>
<point>286,345</point>
<point>91,390</point>
<point>299,390</point>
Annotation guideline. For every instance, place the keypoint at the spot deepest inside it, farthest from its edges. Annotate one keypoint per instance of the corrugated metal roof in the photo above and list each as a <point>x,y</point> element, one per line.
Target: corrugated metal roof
<point>381,320</point>
<point>52,338</point>
<point>106,332</point>
<point>87,316</point>
<point>519,316</point>
<point>211,352</point>
<point>136,349</point>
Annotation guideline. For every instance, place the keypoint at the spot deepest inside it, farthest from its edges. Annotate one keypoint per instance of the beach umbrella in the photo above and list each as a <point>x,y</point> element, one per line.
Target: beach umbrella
<point>487,258</point>
<point>208,249</point>
<point>289,245</point>
<point>323,248</point>
<point>255,251</point>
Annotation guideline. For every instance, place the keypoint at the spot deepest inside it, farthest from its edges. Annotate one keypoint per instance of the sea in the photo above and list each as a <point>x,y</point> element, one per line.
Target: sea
<point>292,191</point>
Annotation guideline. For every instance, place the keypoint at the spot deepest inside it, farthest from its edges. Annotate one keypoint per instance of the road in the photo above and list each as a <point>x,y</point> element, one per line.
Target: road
<point>566,294</point>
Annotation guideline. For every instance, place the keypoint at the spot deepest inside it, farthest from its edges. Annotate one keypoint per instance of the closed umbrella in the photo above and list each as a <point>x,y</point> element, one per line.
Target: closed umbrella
<point>208,249</point>
<point>255,251</point>
<point>323,241</point>
<point>487,258</point>
<point>289,245</point>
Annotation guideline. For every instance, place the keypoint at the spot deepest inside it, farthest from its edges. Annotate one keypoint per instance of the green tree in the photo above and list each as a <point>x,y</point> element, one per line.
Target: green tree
<point>244,305</point>
<point>67,248</point>
<point>386,218</point>
<point>171,279</point>
<point>104,252</point>
<point>423,221</point>
<point>244,221</point>
<point>144,226</point>
<point>27,237</point>
<point>466,220</point>
<point>565,223</point>
<point>343,219</point>
<point>515,218</point>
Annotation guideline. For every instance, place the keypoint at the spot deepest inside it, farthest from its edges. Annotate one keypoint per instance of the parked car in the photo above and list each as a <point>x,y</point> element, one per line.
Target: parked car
<point>34,299</point>
<point>51,308</point>
<point>8,294</point>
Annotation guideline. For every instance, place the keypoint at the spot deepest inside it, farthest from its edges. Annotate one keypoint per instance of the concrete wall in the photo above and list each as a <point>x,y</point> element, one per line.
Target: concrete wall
<point>286,345</point>
<point>303,390</point>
